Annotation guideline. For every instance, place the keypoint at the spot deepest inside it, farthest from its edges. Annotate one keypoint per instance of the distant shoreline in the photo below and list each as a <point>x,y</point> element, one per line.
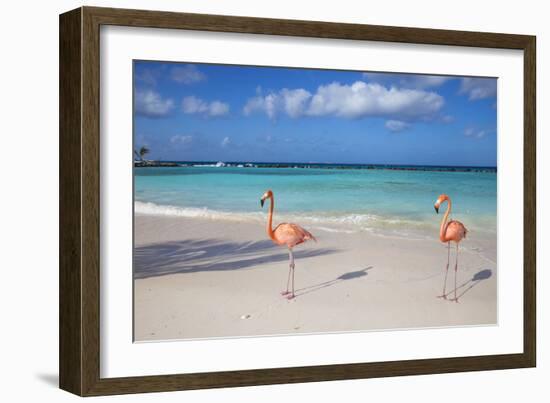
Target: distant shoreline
<point>302,165</point>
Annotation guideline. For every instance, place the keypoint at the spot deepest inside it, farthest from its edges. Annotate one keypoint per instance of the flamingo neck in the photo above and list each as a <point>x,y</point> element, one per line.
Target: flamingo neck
<point>269,227</point>
<point>443,228</point>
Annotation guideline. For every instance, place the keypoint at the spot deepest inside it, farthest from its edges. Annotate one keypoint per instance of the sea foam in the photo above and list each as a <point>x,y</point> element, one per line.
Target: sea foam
<point>324,221</point>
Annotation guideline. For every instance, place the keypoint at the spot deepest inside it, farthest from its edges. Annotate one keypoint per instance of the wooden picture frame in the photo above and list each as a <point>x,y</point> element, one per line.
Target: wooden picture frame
<point>79,346</point>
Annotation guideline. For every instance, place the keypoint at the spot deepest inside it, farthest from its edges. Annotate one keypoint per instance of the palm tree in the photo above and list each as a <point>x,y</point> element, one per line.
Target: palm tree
<point>143,151</point>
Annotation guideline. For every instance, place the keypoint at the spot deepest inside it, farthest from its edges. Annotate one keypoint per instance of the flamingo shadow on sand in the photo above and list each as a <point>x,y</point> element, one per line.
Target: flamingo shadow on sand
<point>190,256</point>
<point>343,277</point>
<point>471,283</point>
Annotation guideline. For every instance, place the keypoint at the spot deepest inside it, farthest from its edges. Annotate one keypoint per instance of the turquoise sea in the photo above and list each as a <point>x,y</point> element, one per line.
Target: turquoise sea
<point>346,198</point>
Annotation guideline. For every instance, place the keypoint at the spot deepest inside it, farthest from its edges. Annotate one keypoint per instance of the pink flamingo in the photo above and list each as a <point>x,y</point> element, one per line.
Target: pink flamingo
<point>287,234</point>
<point>449,231</point>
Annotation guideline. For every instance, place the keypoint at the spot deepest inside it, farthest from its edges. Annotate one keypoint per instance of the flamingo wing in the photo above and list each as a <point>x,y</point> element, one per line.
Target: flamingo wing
<point>292,234</point>
<point>455,231</point>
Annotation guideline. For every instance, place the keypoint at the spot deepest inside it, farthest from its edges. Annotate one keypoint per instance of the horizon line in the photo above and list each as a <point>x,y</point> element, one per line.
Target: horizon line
<point>323,163</point>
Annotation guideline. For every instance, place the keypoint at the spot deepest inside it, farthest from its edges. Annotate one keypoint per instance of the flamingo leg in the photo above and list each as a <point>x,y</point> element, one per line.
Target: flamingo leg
<point>287,282</point>
<point>290,267</point>
<point>455,299</point>
<point>291,255</point>
<point>292,295</point>
<point>444,295</point>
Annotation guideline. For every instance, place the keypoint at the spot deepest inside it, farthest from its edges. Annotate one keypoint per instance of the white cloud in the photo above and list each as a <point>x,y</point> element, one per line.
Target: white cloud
<point>478,88</point>
<point>361,99</point>
<point>192,105</point>
<point>218,108</point>
<point>292,102</point>
<point>430,81</point>
<point>260,103</point>
<point>188,74</point>
<point>181,139</point>
<point>411,81</point>
<point>348,101</point>
<point>151,104</point>
<point>225,142</point>
<point>396,125</point>
<point>146,76</point>
<point>471,132</point>
<point>295,101</point>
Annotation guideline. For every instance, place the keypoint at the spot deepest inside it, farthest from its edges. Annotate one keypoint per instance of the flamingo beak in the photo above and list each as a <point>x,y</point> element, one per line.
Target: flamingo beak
<point>436,209</point>
<point>261,202</point>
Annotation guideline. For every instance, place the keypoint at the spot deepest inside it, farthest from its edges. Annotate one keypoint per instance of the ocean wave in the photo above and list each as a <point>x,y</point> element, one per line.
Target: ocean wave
<point>193,212</point>
<point>329,222</point>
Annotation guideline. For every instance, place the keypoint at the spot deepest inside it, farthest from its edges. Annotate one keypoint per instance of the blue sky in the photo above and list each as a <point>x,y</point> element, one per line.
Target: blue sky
<point>206,112</point>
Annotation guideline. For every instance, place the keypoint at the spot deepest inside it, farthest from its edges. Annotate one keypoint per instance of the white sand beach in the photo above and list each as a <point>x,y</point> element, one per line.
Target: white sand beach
<point>201,278</point>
